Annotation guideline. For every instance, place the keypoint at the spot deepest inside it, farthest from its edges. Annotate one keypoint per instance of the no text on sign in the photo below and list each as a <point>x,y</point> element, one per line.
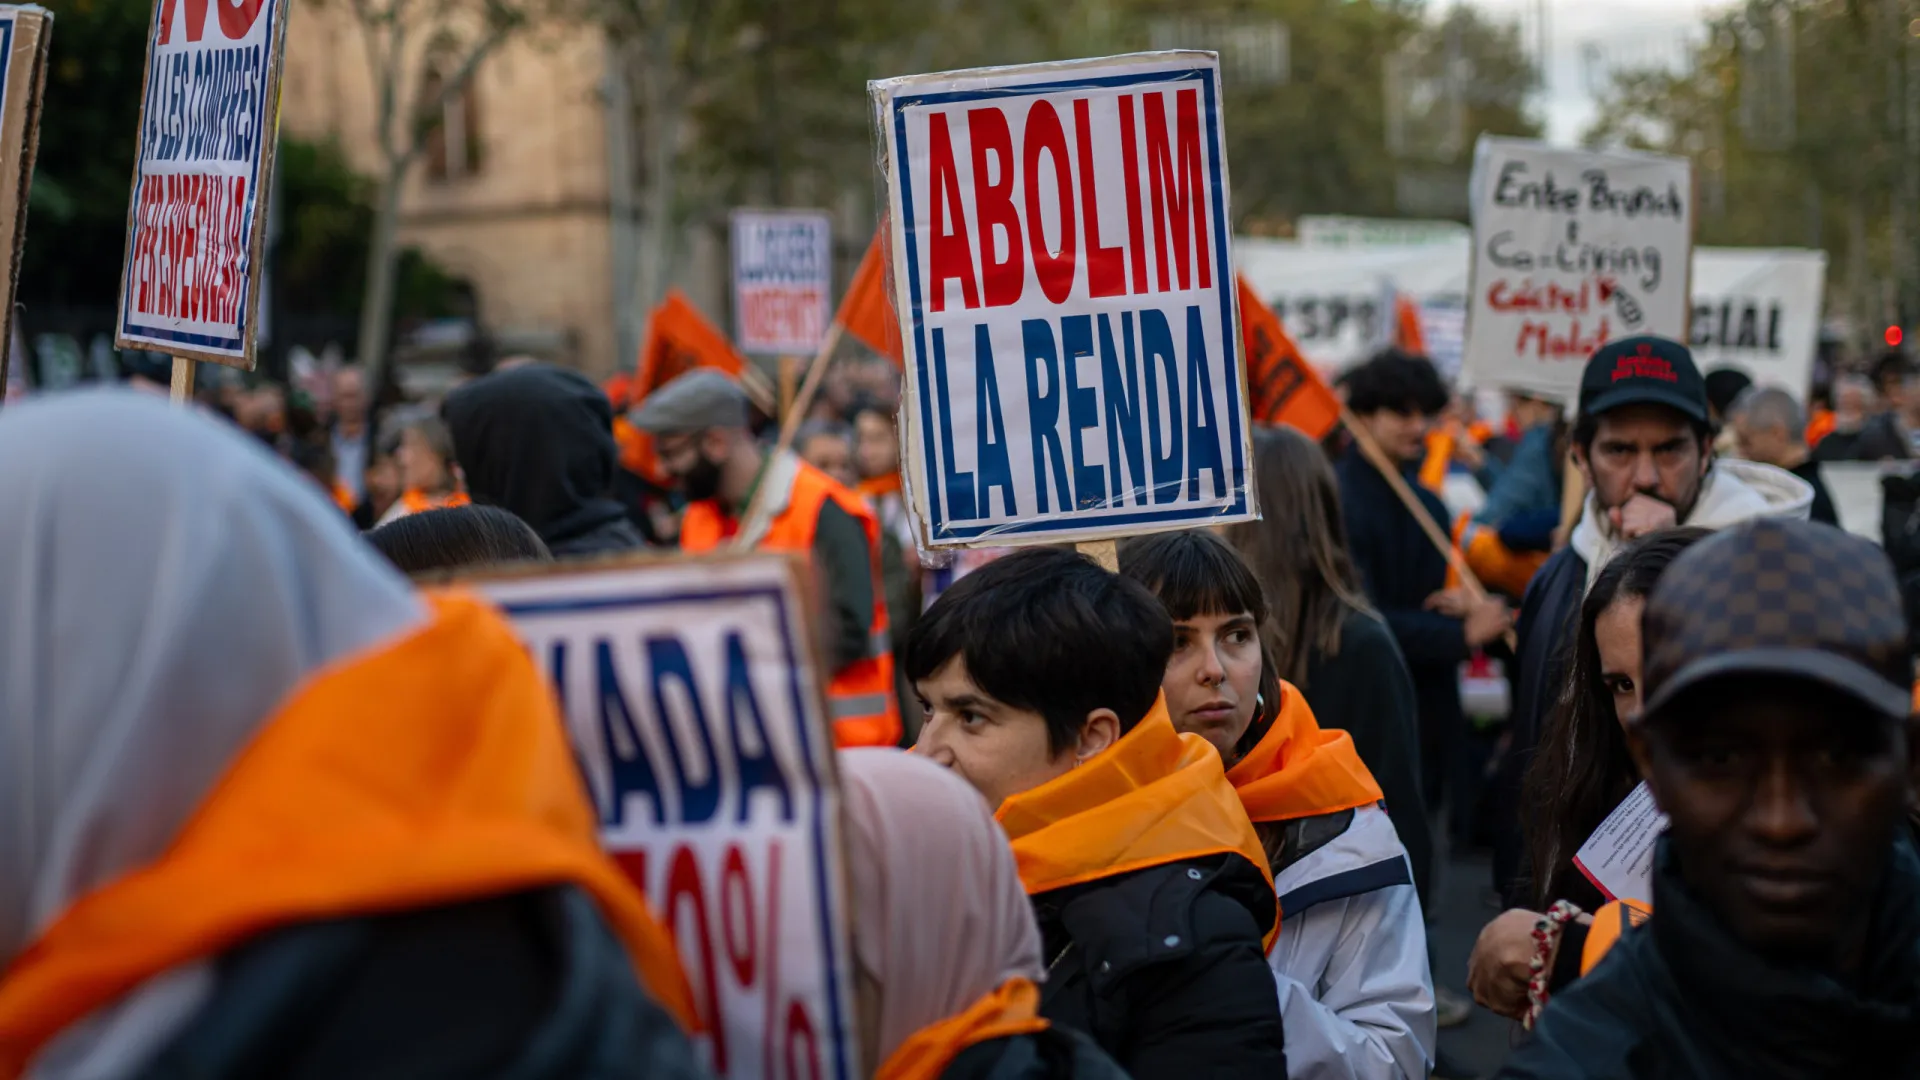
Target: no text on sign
<point>1059,237</point>
<point>696,714</point>
<point>1572,249</point>
<point>782,280</point>
<point>196,225</point>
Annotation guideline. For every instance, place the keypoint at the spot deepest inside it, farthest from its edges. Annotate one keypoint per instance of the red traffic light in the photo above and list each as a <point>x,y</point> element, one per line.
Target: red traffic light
<point>1893,337</point>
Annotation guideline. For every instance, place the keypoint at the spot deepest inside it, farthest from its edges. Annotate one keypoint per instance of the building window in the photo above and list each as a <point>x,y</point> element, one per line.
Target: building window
<point>453,149</point>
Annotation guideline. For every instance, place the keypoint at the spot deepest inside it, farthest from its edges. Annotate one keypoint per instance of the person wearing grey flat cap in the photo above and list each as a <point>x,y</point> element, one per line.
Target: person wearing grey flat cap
<point>699,427</point>
<point>1779,739</point>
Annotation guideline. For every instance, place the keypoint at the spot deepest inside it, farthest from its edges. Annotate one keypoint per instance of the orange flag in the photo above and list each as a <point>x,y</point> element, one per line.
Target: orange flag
<point>866,311</point>
<point>1407,335</point>
<point>679,339</point>
<point>1283,387</point>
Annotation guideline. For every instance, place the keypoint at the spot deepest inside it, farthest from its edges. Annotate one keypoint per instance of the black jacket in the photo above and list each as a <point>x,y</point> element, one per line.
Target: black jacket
<point>530,986</point>
<point>1365,690</point>
<point>538,441</point>
<point>1680,998</point>
<point>1548,619</point>
<point>1054,1054</point>
<point>1400,568</point>
<point>1164,968</point>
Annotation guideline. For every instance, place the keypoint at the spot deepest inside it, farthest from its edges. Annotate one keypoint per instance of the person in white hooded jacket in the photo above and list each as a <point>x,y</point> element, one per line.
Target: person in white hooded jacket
<point>1643,442</point>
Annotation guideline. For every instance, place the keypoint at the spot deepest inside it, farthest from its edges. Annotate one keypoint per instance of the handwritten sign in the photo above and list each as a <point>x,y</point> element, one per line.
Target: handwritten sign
<point>1758,310</point>
<point>25,34</point>
<point>1059,234</point>
<point>196,226</point>
<point>696,713</point>
<point>1572,249</point>
<point>1618,857</point>
<point>782,278</point>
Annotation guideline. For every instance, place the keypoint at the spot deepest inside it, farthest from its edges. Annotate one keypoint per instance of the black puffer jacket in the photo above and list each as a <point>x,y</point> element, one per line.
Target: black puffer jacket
<point>1679,998</point>
<point>1164,968</point>
<point>538,441</point>
<point>531,986</point>
<point>1054,1054</point>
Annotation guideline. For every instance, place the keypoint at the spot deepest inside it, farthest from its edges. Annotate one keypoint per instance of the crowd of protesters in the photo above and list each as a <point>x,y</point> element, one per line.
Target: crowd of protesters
<point>1178,820</point>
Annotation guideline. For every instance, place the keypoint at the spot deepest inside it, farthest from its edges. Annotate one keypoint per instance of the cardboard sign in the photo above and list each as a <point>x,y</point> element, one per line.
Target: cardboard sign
<point>1059,239</point>
<point>696,713</point>
<point>1758,310</point>
<point>1335,301</point>
<point>1618,857</point>
<point>1572,249</point>
<point>782,280</point>
<point>197,223</point>
<point>25,34</point>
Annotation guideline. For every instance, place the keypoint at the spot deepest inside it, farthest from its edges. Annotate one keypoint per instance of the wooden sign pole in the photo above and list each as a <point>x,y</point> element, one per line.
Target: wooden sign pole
<point>183,372</point>
<point>790,424</point>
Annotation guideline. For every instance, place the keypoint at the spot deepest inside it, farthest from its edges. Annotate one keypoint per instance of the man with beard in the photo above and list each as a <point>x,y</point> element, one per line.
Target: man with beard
<point>1777,737</point>
<point>1643,443</point>
<point>699,425</point>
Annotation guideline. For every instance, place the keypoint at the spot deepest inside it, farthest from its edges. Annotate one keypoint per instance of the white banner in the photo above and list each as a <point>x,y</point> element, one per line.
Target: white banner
<point>1758,309</point>
<point>782,280</point>
<point>1335,302</point>
<point>196,227</point>
<point>697,717</point>
<point>1572,249</point>
<point>1059,239</point>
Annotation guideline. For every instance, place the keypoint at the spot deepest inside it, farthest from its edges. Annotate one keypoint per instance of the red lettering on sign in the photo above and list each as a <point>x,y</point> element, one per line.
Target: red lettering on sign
<point>1106,266</point>
<point>1130,165</point>
<point>949,253</point>
<point>1540,339</point>
<point>1045,135</point>
<point>1177,193</point>
<point>993,209</point>
<point>236,18</point>
<point>683,888</point>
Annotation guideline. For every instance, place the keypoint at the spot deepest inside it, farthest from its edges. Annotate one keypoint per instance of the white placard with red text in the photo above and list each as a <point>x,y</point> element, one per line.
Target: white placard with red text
<point>196,225</point>
<point>1059,237</point>
<point>1572,249</point>
<point>696,713</point>
<point>782,280</point>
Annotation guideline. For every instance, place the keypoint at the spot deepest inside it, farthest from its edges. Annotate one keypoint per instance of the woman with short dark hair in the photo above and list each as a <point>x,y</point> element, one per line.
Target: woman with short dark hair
<point>463,536</point>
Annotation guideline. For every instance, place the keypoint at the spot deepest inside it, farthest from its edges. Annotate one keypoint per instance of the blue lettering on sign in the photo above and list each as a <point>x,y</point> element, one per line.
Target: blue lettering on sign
<point>1156,339</point>
<point>1043,411</point>
<point>631,773</point>
<point>757,770</point>
<point>1083,411</point>
<point>958,485</point>
<point>667,658</point>
<point>996,469</point>
<point>1203,431</point>
<point>1123,409</point>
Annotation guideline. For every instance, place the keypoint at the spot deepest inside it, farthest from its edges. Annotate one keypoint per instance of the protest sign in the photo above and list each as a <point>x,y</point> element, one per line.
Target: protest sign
<point>696,714</point>
<point>25,33</point>
<point>197,222</point>
<point>1572,249</point>
<point>1758,310</point>
<point>1336,302</point>
<point>782,278</point>
<point>1281,386</point>
<point>1064,282</point>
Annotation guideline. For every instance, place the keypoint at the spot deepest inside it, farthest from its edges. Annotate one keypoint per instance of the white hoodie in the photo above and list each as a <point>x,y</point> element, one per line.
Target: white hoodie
<point>1733,491</point>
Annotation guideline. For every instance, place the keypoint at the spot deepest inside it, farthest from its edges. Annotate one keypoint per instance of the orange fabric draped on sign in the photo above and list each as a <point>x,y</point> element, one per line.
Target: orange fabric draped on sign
<point>428,771</point>
<point>1299,769</point>
<point>1013,1009</point>
<point>1154,797</point>
<point>1282,387</point>
<point>866,311</point>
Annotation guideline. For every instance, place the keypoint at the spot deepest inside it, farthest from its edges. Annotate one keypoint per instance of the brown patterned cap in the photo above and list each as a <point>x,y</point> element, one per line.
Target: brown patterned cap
<point>1782,598</point>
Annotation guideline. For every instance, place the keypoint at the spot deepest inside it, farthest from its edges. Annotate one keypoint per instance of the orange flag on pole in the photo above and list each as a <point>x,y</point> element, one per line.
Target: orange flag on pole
<point>1407,335</point>
<point>679,339</point>
<point>1282,386</point>
<point>866,311</point>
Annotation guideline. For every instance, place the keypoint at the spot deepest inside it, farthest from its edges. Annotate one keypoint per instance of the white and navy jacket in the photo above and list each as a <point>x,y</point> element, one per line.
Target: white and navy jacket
<point>1356,992</point>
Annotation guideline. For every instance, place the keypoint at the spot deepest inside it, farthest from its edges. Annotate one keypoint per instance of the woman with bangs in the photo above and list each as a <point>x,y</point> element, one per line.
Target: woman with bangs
<point>1356,993</point>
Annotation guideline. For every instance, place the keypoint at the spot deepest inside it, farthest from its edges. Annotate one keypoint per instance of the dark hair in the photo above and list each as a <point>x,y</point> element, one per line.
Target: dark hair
<point>1047,630</point>
<point>1582,769</point>
<point>1724,387</point>
<point>1299,552</point>
<point>457,537</point>
<point>1197,573</point>
<point>314,456</point>
<point>1398,382</point>
<point>1892,364</point>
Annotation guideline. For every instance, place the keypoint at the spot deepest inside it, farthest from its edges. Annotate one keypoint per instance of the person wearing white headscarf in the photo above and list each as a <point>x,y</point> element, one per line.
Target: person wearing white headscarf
<point>946,951</point>
<point>198,664</point>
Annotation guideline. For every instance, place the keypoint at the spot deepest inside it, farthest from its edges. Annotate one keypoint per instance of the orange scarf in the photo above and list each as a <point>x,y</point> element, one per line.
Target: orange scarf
<point>425,772</point>
<point>1154,797</point>
<point>1013,1009</point>
<point>875,487</point>
<point>417,501</point>
<point>1299,769</point>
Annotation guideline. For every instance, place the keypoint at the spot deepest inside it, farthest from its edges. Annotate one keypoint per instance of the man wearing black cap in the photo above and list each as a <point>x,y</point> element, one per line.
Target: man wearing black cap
<point>1778,738</point>
<point>1643,442</point>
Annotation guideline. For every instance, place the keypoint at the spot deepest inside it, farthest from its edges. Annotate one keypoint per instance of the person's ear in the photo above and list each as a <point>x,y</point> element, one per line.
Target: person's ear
<point>1579,455</point>
<point>1100,732</point>
<point>1640,751</point>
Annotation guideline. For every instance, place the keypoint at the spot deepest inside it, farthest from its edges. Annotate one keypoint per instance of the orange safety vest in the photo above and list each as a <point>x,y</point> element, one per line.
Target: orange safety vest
<point>1608,924</point>
<point>860,696</point>
<point>420,773</point>
<point>1011,1009</point>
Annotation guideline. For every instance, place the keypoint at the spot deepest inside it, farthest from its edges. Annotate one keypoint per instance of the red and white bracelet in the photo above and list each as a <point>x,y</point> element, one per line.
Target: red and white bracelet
<point>1546,942</point>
